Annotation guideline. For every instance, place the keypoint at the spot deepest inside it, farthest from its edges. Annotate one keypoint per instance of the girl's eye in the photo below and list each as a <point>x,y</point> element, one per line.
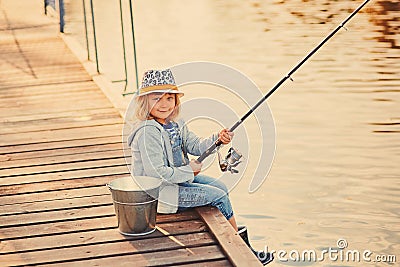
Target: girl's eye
<point>170,98</point>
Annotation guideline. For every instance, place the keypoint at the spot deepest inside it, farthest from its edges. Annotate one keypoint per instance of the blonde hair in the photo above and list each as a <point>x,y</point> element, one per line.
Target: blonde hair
<point>142,108</point>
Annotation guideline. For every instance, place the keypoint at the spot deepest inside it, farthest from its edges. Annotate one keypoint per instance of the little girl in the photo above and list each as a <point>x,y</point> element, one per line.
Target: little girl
<point>160,144</point>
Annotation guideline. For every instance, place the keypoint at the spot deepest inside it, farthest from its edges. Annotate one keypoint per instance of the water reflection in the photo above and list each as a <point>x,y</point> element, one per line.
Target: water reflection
<point>386,15</point>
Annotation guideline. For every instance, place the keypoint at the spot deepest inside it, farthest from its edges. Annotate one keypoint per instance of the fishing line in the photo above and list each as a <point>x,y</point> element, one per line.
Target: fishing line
<point>218,143</point>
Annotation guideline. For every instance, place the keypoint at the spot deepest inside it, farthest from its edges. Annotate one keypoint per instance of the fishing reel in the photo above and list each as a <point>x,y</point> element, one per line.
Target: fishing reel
<point>231,160</point>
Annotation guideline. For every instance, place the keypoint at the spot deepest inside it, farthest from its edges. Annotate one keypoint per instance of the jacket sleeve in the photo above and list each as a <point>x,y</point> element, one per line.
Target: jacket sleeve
<point>196,145</point>
<point>150,144</point>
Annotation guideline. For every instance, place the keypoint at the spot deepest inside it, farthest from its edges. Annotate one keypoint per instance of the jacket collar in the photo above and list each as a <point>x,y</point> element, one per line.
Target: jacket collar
<point>153,123</point>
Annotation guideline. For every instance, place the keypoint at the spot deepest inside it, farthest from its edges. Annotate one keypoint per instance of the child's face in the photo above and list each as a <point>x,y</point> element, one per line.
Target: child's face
<point>161,105</point>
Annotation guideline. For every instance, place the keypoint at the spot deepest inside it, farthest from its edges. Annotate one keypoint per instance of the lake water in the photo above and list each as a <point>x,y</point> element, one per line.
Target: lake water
<point>336,171</point>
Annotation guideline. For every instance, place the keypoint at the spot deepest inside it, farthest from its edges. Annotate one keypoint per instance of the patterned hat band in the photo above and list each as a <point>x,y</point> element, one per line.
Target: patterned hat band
<point>158,81</point>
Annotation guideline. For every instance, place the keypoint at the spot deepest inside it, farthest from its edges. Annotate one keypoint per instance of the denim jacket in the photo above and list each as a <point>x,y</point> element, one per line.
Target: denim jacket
<point>152,155</point>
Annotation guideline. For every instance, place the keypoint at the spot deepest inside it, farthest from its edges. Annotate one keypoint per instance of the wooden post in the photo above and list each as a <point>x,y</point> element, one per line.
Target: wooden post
<point>232,244</point>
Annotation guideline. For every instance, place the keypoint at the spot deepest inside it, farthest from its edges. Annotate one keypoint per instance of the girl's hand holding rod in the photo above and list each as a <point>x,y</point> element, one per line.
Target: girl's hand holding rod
<point>225,136</point>
<point>196,166</point>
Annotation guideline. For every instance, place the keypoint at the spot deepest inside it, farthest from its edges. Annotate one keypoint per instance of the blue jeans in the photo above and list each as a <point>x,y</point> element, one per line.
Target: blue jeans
<point>204,191</point>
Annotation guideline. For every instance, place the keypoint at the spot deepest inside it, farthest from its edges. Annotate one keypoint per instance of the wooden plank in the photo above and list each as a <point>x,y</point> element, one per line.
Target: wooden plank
<point>102,169</point>
<point>54,90</point>
<point>188,215</point>
<point>11,200</point>
<point>64,176</point>
<point>56,120</point>
<point>36,66</point>
<point>60,135</point>
<point>117,160</point>
<point>78,113</point>
<point>32,76</point>
<point>60,144</point>
<point>35,58</point>
<point>52,93</point>
<point>58,204</point>
<point>44,83</point>
<point>40,90</point>
<point>62,106</point>
<point>48,217</point>
<point>71,239</point>
<point>234,247</point>
<point>209,263</point>
<point>62,227</point>
<point>49,89</point>
<point>69,123</point>
<point>31,155</point>
<point>159,258</point>
<point>9,44</point>
<point>87,173</point>
<point>30,81</point>
<point>58,185</point>
<point>75,226</point>
<point>55,115</point>
<point>57,102</point>
<point>81,155</point>
<point>45,43</point>
<point>35,52</point>
<point>54,55</point>
<point>140,246</point>
<point>40,71</point>
<point>61,210</point>
<point>67,67</point>
<point>36,61</point>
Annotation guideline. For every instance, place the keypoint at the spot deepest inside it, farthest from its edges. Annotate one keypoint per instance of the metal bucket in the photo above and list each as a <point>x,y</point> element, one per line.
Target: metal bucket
<point>135,203</point>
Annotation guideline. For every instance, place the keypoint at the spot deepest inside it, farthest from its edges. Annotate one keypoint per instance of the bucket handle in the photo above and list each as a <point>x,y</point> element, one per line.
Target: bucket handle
<point>134,204</point>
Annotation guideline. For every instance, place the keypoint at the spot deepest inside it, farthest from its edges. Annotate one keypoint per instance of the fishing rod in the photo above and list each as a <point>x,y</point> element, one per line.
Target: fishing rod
<point>237,154</point>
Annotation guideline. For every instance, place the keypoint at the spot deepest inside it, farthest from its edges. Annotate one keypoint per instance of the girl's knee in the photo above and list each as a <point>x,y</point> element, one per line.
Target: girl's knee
<point>217,194</point>
<point>220,185</point>
<point>203,179</point>
<point>224,187</point>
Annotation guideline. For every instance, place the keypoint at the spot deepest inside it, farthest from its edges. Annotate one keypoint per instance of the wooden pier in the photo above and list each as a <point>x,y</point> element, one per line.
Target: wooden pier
<point>60,143</point>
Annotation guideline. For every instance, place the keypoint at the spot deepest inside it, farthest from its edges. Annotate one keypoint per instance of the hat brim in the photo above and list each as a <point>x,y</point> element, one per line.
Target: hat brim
<point>165,91</point>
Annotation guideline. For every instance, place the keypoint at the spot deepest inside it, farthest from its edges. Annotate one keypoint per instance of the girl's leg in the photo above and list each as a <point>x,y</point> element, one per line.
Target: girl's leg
<point>204,179</point>
<point>232,221</point>
<point>196,195</point>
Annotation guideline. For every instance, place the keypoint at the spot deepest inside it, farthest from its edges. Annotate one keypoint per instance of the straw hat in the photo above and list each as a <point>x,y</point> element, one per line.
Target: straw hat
<point>158,81</point>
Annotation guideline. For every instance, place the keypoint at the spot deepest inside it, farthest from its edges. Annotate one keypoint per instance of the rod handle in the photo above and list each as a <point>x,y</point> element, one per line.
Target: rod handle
<point>209,151</point>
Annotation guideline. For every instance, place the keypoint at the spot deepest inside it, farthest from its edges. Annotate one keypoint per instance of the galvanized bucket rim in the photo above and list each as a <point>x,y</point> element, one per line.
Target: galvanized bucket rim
<point>140,187</point>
